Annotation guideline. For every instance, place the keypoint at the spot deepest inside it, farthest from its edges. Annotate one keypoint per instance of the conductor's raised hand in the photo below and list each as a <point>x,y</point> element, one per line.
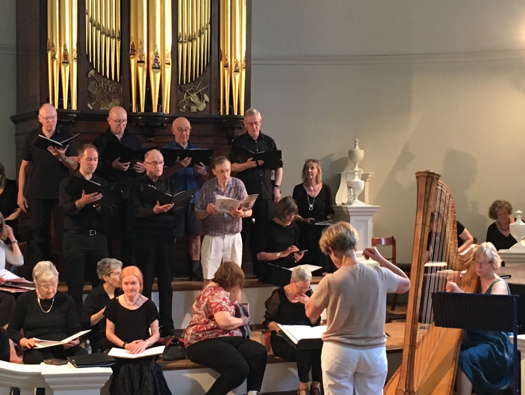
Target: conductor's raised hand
<point>162,208</point>
<point>374,254</point>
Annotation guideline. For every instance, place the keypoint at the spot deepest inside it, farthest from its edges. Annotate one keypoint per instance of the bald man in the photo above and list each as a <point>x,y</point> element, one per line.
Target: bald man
<point>188,178</point>
<point>155,228</point>
<point>39,191</point>
<point>122,174</point>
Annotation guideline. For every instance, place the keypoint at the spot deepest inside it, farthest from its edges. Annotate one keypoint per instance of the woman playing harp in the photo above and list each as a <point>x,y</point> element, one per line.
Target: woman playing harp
<point>485,359</point>
<point>430,353</point>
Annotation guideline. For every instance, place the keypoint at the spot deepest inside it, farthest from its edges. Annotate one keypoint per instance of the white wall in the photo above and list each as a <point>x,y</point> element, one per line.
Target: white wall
<point>424,85</point>
<point>7,84</point>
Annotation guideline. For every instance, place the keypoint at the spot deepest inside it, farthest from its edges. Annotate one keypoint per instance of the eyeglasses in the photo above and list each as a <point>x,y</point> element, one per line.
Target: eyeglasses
<point>155,163</point>
<point>50,118</point>
<point>180,129</point>
<point>118,120</point>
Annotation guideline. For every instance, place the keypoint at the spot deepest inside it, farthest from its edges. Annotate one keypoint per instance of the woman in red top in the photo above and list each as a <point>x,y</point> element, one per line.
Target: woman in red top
<point>215,337</point>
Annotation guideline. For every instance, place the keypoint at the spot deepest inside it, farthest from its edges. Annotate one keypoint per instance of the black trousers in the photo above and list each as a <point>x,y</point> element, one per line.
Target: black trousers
<point>153,257</point>
<point>306,359</point>
<point>81,254</point>
<point>121,237</point>
<point>42,210</point>
<point>235,358</point>
<point>38,356</point>
<point>254,227</point>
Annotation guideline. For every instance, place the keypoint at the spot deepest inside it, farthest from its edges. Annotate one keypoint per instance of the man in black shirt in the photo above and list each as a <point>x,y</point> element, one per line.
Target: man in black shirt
<point>122,173</point>
<point>84,237</point>
<point>256,178</point>
<point>48,168</point>
<point>155,229</point>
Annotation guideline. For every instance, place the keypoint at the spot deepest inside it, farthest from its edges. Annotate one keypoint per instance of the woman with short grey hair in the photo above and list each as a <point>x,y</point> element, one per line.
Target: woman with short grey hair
<point>45,314</point>
<point>286,306</point>
<point>94,309</point>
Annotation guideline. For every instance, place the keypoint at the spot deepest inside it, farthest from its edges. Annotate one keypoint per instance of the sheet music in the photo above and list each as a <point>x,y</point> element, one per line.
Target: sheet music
<point>296,333</point>
<point>41,343</point>
<point>309,268</point>
<point>225,204</point>
<point>122,353</point>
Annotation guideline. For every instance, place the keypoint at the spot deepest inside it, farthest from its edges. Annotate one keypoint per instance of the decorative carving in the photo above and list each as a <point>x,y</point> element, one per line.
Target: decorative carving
<point>103,93</point>
<point>194,97</point>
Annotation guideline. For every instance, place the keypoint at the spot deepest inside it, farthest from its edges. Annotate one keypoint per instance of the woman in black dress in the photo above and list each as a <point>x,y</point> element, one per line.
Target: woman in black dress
<point>133,324</point>
<point>279,248</point>
<point>45,314</point>
<point>286,306</point>
<point>314,202</point>
<point>498,232</point>
<point>94,309</point>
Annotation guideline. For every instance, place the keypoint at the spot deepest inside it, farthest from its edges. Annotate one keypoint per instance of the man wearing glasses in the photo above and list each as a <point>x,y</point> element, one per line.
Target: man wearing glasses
<point>121,172</point>
<point>155,228</point>
<point>188,178</point>
<point>38,189</point>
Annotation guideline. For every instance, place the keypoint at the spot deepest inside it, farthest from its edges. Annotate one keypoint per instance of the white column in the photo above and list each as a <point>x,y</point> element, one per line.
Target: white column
<point>361,217</point>
<point>82,381</point>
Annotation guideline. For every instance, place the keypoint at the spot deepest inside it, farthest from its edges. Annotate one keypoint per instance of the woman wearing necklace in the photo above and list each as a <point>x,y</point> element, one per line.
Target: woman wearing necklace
<point>281,247</point>
<point>498,232</point>
<point>314,202</point>
<point>485,359</point>
<point>132,323</point>
<point>45,314</point>
<point>108,271</point>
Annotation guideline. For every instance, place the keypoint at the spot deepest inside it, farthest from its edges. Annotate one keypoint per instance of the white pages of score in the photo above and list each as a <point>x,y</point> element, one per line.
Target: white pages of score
<point>296,333</point>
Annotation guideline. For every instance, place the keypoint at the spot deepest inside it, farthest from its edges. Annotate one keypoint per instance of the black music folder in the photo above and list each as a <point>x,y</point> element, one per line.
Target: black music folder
<point>109,192</point>
<point>118,150</point>
<point>482,312</point>
<point>197,155</point>
<point>272,159</point>
<point>152,194</point>
<point>44,142</point>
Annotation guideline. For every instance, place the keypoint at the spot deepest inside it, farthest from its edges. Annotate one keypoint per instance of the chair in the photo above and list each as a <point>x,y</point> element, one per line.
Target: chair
<point>389,241</point>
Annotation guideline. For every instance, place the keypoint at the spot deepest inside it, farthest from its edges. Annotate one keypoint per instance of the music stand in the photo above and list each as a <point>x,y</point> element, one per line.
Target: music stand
<point>480,311</point>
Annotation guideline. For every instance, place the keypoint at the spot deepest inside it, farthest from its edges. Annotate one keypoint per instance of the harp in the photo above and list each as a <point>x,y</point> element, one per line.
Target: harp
<point>430,353</point>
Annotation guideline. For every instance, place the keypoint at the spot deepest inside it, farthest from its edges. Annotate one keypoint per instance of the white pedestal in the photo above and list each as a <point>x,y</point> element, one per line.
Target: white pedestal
<point>361,218</point>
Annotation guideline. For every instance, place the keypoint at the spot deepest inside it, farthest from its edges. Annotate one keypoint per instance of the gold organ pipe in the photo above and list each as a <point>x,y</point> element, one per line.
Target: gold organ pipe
<point>65,49</point>
<point>112,43</point>
<point>166,44</point>
<point>98,4</point>
<point>88,29</point>
<point>133,53</point>
<point>93,33</point>
<point>104,35</point>
<point>50,50</point>
<point>179,39</point>
<point>142,50</point>
<point>197,29</point>
<point>208,30</point>
<point>55,60</point>
<point>73,70</point>
<point>236,51</point>
<point>117,37</point>
<point>189,25</point>
<point>154,52</point>
<point>221,56</point>
<point>242,83</point>
<point>227,54</point>
<point>108,37</point>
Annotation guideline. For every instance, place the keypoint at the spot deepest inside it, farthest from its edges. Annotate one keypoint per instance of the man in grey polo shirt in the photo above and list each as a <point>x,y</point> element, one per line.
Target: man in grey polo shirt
<point>222,239</point>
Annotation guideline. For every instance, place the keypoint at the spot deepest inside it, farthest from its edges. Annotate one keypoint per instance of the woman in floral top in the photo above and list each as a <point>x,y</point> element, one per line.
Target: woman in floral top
<point>214,336</point>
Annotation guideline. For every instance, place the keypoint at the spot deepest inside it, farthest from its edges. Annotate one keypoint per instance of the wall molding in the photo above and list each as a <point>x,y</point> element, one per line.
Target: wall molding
<point>515,55</point>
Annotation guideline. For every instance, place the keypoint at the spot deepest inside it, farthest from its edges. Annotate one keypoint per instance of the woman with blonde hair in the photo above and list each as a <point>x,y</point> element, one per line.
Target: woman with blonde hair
<point>132,323</point>
<point>314,203</point>
<point>485,360</point>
